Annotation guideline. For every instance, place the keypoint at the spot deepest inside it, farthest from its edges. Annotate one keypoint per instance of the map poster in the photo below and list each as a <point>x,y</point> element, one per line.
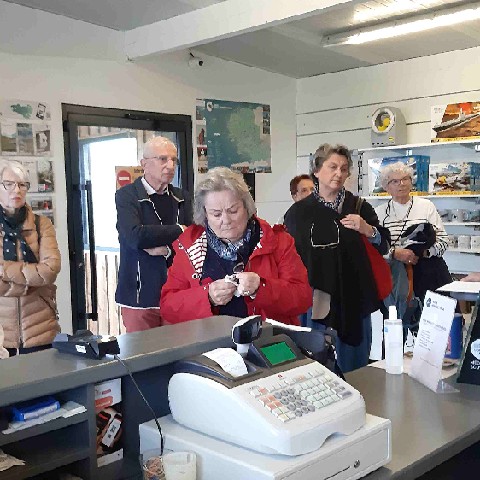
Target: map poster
<point>455,121</point>
<point>234,135</point>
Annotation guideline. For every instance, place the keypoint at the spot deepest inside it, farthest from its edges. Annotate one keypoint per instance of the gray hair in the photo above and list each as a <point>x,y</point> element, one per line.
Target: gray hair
<point>397,167</point>
<point>219,179</point>
<point>16,167</point>
<point>154,142</point>
<point>324,152</point>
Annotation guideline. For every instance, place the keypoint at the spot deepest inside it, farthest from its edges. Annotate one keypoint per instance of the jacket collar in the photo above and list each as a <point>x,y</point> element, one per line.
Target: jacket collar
<point>142,194</point>
<point>194,241</point>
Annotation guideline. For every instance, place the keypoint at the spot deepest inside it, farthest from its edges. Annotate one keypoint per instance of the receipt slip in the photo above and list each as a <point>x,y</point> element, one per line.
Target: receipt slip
<point>230,361</point>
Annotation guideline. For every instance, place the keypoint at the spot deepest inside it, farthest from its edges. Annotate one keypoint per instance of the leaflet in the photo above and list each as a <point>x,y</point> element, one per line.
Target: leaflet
<point>432,338</point>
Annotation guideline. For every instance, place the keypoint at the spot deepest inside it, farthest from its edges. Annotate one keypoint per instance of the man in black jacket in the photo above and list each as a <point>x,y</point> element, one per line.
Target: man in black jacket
<point>151,214</point>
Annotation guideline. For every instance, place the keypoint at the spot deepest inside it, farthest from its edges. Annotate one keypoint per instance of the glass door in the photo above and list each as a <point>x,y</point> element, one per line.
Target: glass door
<point>104,150</point>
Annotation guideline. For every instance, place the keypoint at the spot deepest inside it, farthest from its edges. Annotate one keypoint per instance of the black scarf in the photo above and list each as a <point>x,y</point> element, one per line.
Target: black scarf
<point>12,229</point>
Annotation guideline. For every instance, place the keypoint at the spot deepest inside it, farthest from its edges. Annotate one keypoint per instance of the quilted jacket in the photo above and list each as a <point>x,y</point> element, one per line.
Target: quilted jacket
<point>28,311</point>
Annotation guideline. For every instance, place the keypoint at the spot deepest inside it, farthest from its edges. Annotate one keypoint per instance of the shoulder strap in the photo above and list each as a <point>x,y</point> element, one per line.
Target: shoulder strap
<point>37,224</point>
<point>358,205</point>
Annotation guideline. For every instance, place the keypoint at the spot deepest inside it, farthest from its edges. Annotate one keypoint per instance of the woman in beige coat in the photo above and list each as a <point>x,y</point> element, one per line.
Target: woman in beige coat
<point>29,264</point>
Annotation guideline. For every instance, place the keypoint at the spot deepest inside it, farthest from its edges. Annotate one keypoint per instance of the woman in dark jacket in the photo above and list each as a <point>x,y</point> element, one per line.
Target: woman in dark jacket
<point>328,235</point>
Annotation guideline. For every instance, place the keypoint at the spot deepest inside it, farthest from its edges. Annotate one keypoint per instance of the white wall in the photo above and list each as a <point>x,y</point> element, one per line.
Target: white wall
<point>337,108</point>
<point>164,85</point>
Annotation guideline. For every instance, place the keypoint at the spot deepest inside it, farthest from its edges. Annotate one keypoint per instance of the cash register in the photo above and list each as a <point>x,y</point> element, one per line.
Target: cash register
<point>268,411</point>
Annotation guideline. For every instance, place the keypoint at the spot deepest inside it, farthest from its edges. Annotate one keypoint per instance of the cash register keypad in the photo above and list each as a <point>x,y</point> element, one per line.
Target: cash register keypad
<point>291,398</point>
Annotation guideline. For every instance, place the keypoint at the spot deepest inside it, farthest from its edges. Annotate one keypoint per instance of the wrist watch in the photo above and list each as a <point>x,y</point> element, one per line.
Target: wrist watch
<point>391,252</point>
<point>375,231</point>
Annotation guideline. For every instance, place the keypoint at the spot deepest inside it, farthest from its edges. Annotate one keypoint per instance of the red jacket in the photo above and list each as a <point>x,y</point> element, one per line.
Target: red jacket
<point>284,292</point>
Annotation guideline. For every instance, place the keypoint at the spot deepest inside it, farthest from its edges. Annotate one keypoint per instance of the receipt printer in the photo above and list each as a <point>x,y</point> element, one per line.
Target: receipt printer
<point>86,344</point>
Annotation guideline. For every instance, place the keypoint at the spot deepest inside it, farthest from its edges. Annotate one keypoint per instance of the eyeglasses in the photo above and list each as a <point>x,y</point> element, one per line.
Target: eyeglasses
<point>164,159</point>
<point>10,186</point>
<point>396,182</point>
<point>326,245</point>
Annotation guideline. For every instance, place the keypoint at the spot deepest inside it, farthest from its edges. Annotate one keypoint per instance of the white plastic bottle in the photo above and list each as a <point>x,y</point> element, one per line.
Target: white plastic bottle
<point>393,334</point>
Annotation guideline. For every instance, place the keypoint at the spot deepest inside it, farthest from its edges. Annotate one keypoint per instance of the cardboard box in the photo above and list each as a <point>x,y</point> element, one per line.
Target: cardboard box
<point>451,178</point>
<point>419,163</point>
<point>455,121</point>
<point>108,408</point>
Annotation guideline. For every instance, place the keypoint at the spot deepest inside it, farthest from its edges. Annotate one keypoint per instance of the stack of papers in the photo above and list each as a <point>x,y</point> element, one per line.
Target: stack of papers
<point>68,409</point>
<point>461,287</point>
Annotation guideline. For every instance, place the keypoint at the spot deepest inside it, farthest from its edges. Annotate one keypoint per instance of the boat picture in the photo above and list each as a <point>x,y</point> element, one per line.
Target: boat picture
<point>461,119</point>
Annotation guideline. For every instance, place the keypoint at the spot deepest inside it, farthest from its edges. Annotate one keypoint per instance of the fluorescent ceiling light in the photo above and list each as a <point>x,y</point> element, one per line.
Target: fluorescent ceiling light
<point>399,7</point>
<point>404,28</point>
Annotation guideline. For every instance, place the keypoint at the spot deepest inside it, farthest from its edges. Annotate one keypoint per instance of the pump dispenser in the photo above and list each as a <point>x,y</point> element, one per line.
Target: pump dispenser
<point>393,331</point>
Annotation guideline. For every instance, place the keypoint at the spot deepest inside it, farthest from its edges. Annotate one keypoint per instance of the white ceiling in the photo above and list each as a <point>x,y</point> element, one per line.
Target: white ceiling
<point>293,48</point>
<point>117,14</point>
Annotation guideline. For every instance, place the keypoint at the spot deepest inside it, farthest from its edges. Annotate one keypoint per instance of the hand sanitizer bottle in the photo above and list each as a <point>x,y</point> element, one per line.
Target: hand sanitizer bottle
<point>393,333</point>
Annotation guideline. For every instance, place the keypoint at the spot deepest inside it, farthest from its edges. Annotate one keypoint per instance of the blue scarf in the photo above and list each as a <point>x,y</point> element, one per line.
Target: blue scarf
<point>229,251</point>
<point>335,205</point>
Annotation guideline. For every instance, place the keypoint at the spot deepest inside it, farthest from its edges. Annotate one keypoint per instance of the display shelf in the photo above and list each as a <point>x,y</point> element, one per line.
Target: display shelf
<point>47,452</point>
<point>388,197</point>
<point>411,146</point>
<point>475,251</point>
<point>463,224</point>
<point>126,468</point>
<point>36,430</point>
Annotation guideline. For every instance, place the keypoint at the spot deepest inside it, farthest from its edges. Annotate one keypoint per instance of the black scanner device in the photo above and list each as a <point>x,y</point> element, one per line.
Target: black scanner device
<point>86,344</point>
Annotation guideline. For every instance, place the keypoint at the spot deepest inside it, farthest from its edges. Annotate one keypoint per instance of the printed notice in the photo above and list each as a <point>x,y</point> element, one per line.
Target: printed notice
<point>432,338</point>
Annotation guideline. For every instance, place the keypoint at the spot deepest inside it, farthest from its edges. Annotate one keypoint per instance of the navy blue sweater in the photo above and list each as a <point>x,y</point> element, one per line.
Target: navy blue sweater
<point>141,276</point>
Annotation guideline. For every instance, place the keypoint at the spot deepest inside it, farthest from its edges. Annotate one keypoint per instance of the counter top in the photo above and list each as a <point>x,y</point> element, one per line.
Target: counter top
<point>427,428</point>
<point>25,376</point>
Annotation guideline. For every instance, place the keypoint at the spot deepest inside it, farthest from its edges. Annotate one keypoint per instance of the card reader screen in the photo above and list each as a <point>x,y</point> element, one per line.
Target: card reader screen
<point>278,353</point>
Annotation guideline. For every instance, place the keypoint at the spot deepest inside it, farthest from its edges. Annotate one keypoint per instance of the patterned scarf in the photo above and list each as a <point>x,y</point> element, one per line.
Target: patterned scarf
<point>229,251</point>
<point>335,205</point>
<point>12,229</point>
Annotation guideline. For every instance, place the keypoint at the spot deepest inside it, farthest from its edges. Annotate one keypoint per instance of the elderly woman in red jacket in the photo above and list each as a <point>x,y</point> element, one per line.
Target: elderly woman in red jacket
<point>231,262</point>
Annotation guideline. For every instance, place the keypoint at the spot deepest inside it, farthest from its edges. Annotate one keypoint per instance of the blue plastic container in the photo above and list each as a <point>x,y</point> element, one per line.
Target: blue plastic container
<point>455,339</point>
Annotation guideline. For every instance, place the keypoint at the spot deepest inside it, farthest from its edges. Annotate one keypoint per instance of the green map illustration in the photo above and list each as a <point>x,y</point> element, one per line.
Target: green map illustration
<point>24,110</point>
<point>238,135</point>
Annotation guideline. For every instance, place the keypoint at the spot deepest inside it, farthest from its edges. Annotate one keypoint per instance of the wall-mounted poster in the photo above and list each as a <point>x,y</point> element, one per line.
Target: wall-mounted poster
<point>127,175</point>
<point>42,139</point>
<point>234,135</point>
<point>24,111</point>
<point>25,137</point>
<point>8,143</point>
<point>455,121</point>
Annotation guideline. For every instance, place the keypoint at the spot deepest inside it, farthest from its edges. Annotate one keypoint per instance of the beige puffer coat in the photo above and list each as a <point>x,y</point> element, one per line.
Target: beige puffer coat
<point>28,311</point>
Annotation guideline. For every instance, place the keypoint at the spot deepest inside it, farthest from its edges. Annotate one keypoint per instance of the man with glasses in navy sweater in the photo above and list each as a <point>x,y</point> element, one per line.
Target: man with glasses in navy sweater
<point>151,214</point>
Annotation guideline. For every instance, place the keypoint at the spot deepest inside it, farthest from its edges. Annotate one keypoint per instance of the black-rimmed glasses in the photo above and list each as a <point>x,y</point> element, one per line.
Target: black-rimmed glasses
<point>10,186</point>
<point>396,181</point>
<point>326,245</point>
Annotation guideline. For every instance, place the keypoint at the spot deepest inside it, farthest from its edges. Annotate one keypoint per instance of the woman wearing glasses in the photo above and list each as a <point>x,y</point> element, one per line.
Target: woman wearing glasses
<point>401,215</point>
<point>328,229</point>
<point>29,264</point>
<point>231,262</point>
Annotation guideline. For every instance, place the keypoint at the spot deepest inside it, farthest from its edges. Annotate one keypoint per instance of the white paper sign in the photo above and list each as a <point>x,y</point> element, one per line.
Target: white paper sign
<point>229,360</point>
<point>432,338</point>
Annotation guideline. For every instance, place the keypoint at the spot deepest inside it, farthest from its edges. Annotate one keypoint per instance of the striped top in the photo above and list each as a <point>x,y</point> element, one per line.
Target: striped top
<point>397,217</point>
